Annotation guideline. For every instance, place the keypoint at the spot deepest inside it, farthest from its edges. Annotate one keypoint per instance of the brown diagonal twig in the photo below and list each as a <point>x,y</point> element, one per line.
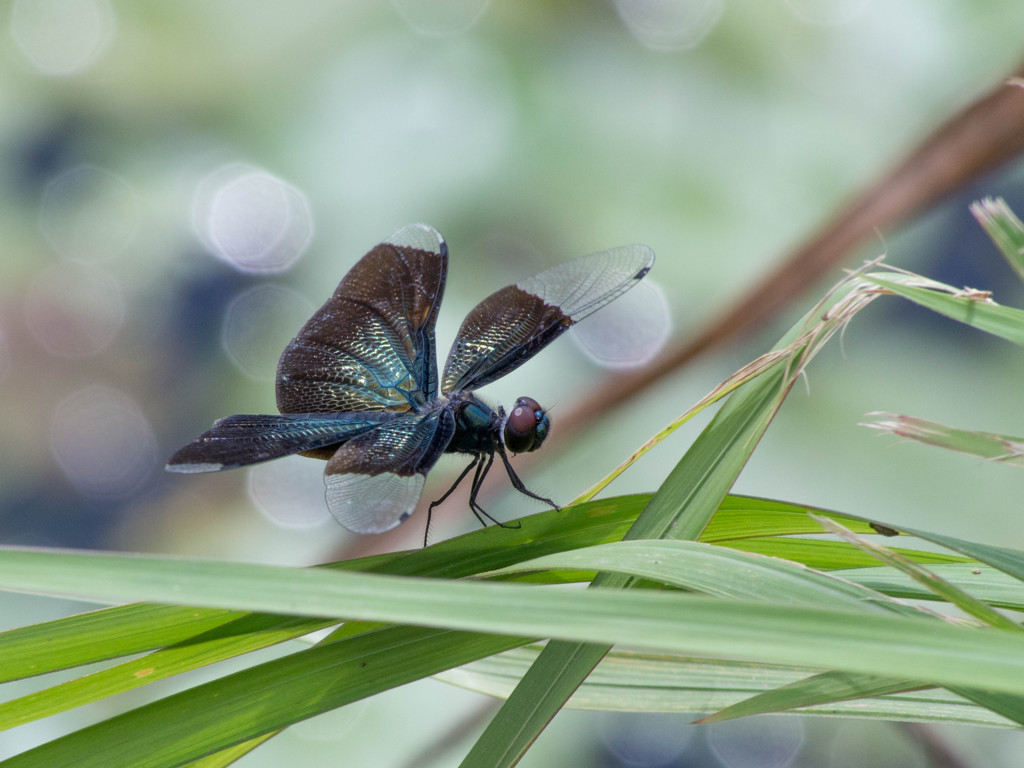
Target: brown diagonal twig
<point>980,138</point>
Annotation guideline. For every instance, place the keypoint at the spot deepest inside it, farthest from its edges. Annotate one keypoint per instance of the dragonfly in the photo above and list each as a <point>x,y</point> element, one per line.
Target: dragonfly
<point>359,385</point>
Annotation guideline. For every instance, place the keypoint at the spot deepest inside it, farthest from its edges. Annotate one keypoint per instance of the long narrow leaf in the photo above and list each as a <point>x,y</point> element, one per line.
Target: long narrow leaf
<point>100,635</point>
<point>929,579</point>
<point>1004,228</point>
<point>229,712</point>
<point>228,756</point>
<point>1004,449</point>
<point>827,555</point>
<point>985,583</point>
<point>974,309</point>
<point>714,570</point>
<point>640,682</point>
<point>546,532</point>
<point>252,632</point>
<point>1009,561</point>
<point>826,688</point>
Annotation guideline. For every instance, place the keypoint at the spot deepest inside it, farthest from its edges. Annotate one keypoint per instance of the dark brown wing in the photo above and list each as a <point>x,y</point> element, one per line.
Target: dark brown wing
<point>509,327</point>
<point>371,346</point>
<point>247,439</point>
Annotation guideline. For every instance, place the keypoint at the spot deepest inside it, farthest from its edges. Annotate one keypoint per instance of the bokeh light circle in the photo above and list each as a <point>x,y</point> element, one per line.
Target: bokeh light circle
<point>252,219</point>
<point>62,37</point>
<point>74,310</point>
<point>643,740</point>
<point>89,214</point>
<point>258,324</point>
<point>630,331</point>
<point>826,12</point>
<point>670,25</point>
<point>441,17</point>
<point>761,742</point>
<point>102,442</point>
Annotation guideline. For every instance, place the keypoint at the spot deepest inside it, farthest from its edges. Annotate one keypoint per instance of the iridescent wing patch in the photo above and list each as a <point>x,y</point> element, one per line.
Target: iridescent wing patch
<point>371,346</point>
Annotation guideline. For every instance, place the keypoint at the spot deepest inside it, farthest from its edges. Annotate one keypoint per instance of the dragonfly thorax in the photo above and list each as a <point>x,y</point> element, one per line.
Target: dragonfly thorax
<point>482,429</point>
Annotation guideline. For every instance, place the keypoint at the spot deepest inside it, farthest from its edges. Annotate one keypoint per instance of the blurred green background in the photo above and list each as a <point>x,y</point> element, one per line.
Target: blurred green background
<point>182,183</point>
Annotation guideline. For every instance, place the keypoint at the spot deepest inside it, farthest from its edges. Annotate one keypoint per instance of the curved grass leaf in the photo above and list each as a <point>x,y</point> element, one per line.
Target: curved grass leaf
<point>583,525</point>
<point>252,632</point>
<point>1004,228</point>
<point>58,644</point>
<point>985,583</point>
<point>746,517</point>
<point>640,682</point>
<point>828,555</point>
<point>714,570</point>
<point>1004,449</point>
<point>975,309</point>
<point>269,696</point>
<point>100,635</point>
<point>110,633</point>
<point>1009,561</point>
<point>929,579</point>
<point>230,755</point>
<point>197,724</point>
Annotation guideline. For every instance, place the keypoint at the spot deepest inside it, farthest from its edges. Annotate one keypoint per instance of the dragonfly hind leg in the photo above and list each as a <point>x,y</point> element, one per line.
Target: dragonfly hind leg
<point>519,485</point>
<point>478,481</point>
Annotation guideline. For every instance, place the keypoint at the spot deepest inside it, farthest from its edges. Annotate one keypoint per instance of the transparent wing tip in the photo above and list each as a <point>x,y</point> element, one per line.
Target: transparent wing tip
<point>372,503</point>
<point>189,469</point>
<point>423,237</point>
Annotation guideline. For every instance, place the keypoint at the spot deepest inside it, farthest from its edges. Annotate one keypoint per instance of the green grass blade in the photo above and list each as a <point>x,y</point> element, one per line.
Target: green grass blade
<point>985,583</point>
<point>234,709</point>
<point>1009,706</point>
<point>1004,228</point>
<point>827,555</point>
<point>712,570</point>
<point>230,755</point>
<point>583,525</point>
<point>744,517</point>
<point>57,644</point>
<point>826,688</point>
<point>223,714</point>
<point>252,632</point>
<point>593,516</point>
<point>131,629</point>
<point>970,308</point>
<point>831,688</point>
<point>1004,449</point>
<point>928,579</point>
<point>639,682</point>
<point>1009,561</point>
<point>100,635</point>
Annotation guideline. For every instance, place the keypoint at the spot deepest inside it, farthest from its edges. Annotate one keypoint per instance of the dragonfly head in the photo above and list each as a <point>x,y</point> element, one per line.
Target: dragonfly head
<point>526,427</point>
